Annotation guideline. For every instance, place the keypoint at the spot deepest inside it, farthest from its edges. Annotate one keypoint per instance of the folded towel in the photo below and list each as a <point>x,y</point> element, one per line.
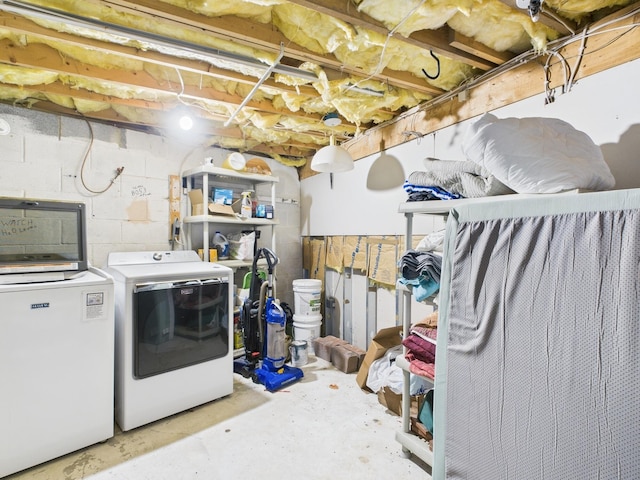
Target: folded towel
<point>418,367</point>
<point>421,193</point>
<point>415,264</point>
<point>421,287</point>
<point>420,348</point>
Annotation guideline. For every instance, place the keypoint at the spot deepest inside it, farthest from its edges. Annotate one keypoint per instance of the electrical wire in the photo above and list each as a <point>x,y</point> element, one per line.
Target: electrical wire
<point>179,96</point>
<point>549,95</point>
<point>194,104</point>
<point>581,54</point>
<point>119,170</point>
<point>557,18</point>
<point>176,239</point>
<point>513,63</point>
<point>583,42</point>
<point>525,57</point>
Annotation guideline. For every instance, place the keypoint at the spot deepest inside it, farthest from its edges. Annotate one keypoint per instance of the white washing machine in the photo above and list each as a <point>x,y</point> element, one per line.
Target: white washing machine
<point>174,333</point>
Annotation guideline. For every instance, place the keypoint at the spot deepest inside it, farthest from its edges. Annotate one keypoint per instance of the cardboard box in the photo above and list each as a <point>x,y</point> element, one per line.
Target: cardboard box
<point>421,431</point>
<point>218,209</point>
<point>197,205</point>
<point>197,202</point>
<point>223,196</point>
<point>391,400</point>
<point>383,341</point>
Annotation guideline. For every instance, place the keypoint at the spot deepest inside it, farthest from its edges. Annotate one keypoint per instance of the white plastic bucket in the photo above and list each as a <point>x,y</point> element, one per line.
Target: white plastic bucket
<point>307,331</point>
<point>307,294</point>
<point>307,319</point>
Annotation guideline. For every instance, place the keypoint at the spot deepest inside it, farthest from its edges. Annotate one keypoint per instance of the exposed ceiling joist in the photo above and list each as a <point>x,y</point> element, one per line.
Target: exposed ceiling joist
<point>113,117</point>
<point>435,40</point>
<point>263,36</point>
<point>617,45</point>
<point>23,26</point>
<point>137,60</point>
<point>470,45</point>
<point>45,57</point>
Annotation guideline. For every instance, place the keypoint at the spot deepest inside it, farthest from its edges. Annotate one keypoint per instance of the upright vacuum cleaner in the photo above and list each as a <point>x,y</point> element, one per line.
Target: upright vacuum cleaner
<point>263,321</point>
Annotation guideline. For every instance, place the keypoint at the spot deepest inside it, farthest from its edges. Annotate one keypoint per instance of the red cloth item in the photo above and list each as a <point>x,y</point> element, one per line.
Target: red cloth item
<point>420,348</point>
<point>418,367</point>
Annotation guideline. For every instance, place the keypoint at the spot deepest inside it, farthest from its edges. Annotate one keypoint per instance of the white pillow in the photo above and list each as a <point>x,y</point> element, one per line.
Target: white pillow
<point>537,155</point>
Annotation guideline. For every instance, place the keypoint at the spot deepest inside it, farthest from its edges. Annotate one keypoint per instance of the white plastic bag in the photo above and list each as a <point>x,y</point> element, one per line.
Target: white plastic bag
<point>241,245</point>
<point>384,372</point>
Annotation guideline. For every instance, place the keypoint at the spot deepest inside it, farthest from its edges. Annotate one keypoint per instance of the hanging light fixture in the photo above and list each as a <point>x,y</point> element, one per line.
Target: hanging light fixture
<point>332,158</point>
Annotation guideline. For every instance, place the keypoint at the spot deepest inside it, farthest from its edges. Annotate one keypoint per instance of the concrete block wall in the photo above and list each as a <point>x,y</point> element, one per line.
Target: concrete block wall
<point>53,157</point>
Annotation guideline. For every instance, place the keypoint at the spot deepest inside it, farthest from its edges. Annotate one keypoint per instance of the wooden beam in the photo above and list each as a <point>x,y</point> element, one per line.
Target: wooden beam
<point>269,151</point>
<point>58,88</point>
<point>265,37</point>
<point>603,51</point>
<point>111,117</point>
<point>43,57</point>
<point>206,122</point>
<point>435,40</point>
<point>470,45</point>
<point>22,26</point>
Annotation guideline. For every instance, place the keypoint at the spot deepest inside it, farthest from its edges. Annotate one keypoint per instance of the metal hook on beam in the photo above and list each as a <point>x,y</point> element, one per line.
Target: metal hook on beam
<point>438,64</point>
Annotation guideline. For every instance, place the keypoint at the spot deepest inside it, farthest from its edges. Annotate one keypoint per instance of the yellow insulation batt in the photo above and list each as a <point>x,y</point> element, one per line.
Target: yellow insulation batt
<point>294,106</point>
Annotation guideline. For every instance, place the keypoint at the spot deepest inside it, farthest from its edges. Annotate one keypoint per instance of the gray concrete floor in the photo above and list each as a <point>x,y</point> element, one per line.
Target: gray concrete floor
<point>323,427</point>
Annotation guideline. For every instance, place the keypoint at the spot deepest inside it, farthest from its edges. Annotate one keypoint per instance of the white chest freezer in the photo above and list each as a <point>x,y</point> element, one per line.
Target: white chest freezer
<point>56,368</point>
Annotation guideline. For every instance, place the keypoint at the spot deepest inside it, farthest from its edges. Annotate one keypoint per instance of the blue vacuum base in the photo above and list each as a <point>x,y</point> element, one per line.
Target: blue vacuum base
<point>276,380</point>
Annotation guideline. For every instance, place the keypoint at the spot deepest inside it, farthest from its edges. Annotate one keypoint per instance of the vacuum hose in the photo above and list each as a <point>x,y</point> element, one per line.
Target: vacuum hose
<point>263,295</point>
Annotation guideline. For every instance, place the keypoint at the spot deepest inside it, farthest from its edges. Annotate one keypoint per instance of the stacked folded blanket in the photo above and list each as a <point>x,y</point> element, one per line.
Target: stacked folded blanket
<point>421,270</point>
<point>422,193</point>
<point>421,350</point>
<point>447,180</point>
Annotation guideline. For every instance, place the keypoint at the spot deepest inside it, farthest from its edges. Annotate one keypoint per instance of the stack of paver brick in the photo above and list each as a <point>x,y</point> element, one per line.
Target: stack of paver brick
<point>344,356</point>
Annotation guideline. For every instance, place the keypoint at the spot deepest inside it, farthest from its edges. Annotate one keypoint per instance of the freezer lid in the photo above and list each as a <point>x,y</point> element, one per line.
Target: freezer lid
<point>42,236</point>
<point>93,276</point>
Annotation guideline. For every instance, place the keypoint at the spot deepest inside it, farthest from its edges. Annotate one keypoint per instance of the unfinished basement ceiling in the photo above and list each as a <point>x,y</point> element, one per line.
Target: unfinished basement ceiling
<point>259,76</point>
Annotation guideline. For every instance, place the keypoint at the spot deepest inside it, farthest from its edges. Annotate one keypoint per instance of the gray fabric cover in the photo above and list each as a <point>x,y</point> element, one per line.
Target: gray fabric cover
<point>542,325</point>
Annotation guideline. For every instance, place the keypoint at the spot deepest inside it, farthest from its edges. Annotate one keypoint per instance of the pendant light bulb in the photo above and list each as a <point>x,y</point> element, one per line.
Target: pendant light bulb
<point>186,122</point>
